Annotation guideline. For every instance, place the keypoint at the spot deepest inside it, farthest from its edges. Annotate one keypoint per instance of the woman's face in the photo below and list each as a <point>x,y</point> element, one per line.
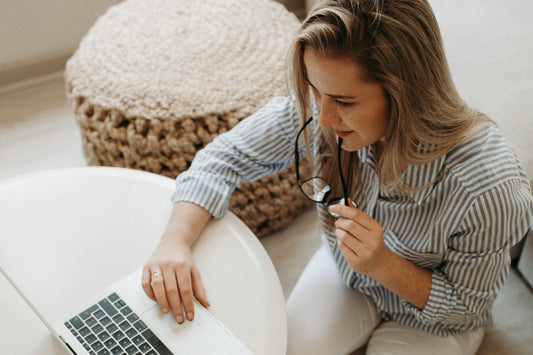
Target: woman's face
<point>356,109</point>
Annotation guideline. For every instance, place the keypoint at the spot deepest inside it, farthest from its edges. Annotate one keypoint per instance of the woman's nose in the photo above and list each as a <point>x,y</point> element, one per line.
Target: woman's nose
<point>327,115</point>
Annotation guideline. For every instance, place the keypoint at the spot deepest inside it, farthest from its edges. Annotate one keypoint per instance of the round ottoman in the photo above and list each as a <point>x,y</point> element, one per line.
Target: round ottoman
<point>153,82</point>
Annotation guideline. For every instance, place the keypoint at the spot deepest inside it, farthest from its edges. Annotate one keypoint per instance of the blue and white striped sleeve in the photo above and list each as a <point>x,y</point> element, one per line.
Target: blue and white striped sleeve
<point>260,145</point>
<point>477,263</point>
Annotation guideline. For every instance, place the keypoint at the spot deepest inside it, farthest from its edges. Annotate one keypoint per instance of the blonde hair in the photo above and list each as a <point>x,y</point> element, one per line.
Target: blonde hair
<point>399,46</point>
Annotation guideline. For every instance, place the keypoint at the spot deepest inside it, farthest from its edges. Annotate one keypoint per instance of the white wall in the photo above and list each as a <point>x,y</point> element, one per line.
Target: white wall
<point>32,31</point>
<point>37,30</point>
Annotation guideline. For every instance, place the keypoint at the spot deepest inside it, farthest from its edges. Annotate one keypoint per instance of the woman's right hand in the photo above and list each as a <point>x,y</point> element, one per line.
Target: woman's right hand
<point>169,276</point>
<point>175,282</point>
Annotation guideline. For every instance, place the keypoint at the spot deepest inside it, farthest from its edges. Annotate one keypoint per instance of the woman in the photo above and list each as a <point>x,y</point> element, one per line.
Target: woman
<point>433,196</point>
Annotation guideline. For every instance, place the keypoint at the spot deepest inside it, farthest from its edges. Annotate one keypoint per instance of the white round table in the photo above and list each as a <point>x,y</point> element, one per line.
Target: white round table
<point>52,227</point>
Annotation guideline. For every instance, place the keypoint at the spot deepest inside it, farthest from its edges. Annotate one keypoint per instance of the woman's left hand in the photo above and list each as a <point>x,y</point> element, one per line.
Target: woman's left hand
<point>360,239</point>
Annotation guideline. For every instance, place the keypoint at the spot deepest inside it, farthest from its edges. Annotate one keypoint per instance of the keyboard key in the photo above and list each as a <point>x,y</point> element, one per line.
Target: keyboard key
<point>88,312</point>
<point>126,310</point>
<point>105,321</point>
<point>109,343</point>
<point>156,343</point>
<point>91,338</point>
<point>77,322</point>
<point>84,331</point>
<point>124,325</point>
<point>145,347</point>
<point>108,307</point>
<point>104,352</point>
<point>97,346</point>
<point>119,304</point>
<point>131,350</point>
<point>131,332</point>
<point>118,318</point>
<point>111,328</point>
<point>117,350</point>
<point>140,326</point>
<point>97,329</point>
<point>125,342</point>
<point>90,321</point>
<point>113,297</point>
<point>138,340</point>
<point>103,336</point>
<point>132,318</point>
<point>99,314</point>
<point>118,335</point>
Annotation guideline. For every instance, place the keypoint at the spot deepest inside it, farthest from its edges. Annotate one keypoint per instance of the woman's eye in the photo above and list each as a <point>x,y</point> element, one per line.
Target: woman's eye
<point>343,103</point>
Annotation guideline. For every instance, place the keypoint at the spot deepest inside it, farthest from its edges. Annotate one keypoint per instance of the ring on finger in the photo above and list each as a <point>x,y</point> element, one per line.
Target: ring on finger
<point>156,273</point>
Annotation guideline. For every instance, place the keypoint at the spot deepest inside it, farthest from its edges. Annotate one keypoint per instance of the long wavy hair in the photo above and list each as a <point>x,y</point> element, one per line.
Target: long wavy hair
<point>399,46</point>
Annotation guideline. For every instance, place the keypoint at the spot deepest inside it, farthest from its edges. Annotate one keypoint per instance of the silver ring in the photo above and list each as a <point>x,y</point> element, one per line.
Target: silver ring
<point>156,273</point>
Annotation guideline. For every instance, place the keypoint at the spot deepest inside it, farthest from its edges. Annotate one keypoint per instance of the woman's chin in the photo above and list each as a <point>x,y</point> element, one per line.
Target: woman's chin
<point>350,147</point>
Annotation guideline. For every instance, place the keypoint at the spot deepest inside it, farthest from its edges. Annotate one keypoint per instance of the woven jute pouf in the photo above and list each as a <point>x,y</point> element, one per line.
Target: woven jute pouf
<point>153,82</point>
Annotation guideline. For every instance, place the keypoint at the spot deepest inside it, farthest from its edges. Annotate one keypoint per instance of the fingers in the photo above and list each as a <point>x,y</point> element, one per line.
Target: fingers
<point>172,295</point>
<point>146,278</point>
<point>158,287</point>
<point>190,285</point>
<point>198,288</point>
<point>357,236</point>
<point>354,214</point>
<point>174,288</point>
<point>349,254</point>
<point>350,234</point>
<point>184,278</point>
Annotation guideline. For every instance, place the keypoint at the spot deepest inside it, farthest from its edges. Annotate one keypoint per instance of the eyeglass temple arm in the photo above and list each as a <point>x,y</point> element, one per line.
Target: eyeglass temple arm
<point>344,188</point>
<point>296,152</point>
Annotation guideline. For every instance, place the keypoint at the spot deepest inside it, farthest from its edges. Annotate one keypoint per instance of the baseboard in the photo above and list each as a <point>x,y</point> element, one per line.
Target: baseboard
<point>32,82</point>
<point>11,74</point>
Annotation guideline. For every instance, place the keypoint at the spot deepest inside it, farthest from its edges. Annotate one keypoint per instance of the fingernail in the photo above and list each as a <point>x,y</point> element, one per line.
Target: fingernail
<point>164,310</point>
<point>190,316</point>
<point>179,319</point>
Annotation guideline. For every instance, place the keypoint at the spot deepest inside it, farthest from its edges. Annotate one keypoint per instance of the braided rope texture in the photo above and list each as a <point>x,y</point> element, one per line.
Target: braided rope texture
<point>153,82</point>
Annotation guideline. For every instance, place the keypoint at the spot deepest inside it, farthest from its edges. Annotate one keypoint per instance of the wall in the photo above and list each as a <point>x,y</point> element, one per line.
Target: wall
<point>38,30</point>
<point>37,36</point>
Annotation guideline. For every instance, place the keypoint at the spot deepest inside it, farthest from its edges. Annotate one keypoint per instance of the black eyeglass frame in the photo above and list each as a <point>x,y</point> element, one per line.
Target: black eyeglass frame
<point>324,200</point>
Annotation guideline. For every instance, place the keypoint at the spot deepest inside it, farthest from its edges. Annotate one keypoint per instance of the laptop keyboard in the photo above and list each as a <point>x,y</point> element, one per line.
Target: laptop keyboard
<point>111,327</point>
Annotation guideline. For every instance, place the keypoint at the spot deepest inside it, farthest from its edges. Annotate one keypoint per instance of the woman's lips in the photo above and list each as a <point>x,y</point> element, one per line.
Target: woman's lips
<point>343,134</point>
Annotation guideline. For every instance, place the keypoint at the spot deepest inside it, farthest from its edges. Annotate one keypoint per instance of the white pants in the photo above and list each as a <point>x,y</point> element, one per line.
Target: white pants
<point>326,317</point>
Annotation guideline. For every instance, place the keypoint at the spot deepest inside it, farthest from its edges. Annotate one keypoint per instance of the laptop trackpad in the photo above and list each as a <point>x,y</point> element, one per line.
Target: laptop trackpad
<point>204,335</point>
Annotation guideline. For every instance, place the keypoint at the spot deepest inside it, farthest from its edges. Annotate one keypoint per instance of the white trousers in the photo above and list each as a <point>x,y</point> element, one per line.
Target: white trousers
<point>325,317</point>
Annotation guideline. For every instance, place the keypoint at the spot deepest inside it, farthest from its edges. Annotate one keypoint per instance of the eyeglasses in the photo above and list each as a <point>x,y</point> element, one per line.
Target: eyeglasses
<point>316,188</point>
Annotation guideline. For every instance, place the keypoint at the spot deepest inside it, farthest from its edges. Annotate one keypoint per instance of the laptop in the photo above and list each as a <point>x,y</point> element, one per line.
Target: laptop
<point>123,320</point>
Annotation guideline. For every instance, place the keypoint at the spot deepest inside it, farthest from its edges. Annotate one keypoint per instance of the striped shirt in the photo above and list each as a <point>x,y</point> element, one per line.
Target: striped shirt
<point>460,228</point>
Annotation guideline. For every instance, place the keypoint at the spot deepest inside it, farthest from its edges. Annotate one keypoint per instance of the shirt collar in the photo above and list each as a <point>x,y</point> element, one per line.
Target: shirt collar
<point>415,175</point>
<point>368,155</point>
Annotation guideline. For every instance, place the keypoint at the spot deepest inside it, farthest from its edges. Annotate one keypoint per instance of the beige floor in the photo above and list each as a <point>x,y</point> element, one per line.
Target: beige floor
<point>37,132</point>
